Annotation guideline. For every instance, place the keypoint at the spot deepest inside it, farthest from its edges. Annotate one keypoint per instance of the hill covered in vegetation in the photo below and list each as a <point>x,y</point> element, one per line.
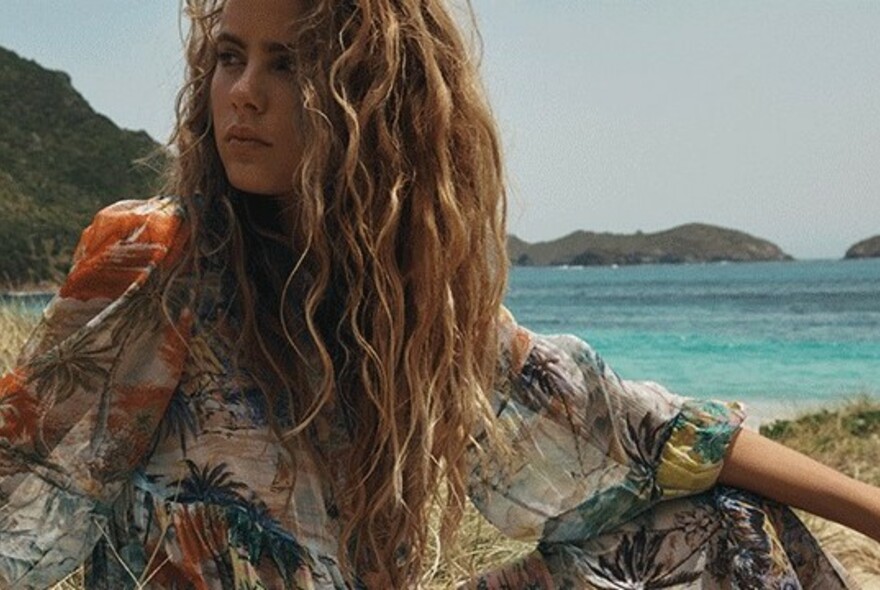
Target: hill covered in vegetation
<point>694,242</point>
<point>60,162</point>
<point>869,248</point>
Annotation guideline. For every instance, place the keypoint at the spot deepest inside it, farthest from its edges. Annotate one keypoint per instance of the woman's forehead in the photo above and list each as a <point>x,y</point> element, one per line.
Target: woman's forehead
<point>261,20</point>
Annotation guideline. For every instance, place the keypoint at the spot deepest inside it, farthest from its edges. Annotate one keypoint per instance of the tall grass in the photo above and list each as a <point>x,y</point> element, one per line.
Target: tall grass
<point>846,437</point>
<point>15,326</point>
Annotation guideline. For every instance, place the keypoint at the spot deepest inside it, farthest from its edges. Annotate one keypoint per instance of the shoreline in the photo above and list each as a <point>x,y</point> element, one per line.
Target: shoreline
<point>28,289</point>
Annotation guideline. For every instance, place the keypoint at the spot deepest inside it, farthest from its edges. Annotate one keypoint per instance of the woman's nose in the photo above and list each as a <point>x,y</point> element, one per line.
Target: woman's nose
<point>247,92</point>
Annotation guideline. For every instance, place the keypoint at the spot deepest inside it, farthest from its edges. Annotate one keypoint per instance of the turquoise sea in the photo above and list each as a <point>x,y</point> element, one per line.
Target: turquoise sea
<point>780,336</point>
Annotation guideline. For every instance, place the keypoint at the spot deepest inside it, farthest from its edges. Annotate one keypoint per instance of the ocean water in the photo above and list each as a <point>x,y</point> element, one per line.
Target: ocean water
<point>780,336</point>
<point>25,303</point>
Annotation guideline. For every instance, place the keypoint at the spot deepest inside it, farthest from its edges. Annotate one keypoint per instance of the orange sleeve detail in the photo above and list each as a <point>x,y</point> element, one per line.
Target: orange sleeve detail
<point>19,410</point>
<point>123,241</point>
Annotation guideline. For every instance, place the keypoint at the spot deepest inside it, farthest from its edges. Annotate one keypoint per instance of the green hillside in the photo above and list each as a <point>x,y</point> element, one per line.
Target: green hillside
<point>60,161</point>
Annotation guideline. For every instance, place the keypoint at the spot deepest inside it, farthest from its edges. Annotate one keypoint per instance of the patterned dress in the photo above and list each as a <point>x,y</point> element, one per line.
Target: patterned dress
<point>129,442</point>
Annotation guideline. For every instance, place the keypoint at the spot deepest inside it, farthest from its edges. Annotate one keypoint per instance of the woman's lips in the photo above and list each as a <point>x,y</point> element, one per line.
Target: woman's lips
<point>243,136</point>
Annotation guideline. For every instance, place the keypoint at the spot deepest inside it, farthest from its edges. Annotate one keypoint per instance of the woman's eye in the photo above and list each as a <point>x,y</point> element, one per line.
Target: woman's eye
<point>228,58</point>
<point>283,64</point>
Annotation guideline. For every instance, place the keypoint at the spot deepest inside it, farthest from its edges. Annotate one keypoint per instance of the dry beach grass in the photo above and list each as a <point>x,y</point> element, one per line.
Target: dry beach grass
<point>846,437</point>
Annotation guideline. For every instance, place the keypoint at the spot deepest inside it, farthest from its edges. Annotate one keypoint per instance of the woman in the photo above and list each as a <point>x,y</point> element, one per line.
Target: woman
<point>266,380</point>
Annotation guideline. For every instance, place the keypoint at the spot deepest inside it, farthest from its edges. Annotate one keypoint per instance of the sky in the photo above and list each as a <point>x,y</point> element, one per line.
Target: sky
<point>616,115</point>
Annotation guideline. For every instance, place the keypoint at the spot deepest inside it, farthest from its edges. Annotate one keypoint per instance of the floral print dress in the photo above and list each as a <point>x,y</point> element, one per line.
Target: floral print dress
<point>130,442</point>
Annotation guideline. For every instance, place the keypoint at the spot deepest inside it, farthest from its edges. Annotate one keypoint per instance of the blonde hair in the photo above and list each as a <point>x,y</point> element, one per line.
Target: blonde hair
<point>386,309</point>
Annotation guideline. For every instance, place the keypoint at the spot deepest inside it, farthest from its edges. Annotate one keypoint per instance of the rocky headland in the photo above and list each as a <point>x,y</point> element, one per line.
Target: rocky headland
<point>869,248</point>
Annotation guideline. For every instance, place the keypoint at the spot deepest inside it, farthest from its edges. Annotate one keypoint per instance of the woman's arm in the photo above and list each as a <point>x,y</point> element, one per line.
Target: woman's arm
<point>617,480</point>
<point>79,410</point>
<point>587,453</point>
<point>760,465</point>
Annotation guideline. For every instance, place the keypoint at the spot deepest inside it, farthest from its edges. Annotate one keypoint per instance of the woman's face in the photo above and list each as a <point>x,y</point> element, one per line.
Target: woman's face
<point>253,100</point>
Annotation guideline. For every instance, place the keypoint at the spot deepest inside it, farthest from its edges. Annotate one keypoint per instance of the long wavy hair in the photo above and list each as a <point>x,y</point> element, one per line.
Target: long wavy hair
<point>378,301</point>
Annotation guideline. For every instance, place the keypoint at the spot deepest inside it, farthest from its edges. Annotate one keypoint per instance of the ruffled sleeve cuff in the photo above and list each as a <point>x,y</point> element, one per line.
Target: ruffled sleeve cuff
<point>694,453</point>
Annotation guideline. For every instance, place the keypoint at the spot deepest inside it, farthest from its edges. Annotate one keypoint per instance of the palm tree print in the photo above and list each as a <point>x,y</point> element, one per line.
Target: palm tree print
<point>142,307</point>
<point>636,564</point>
<point>545,388</point>
<point>543,382</point>
<point>179,419</point>
<point>75,362</point>
<point>252,527</point>
<point>644,446</point>
<point>212,485</point>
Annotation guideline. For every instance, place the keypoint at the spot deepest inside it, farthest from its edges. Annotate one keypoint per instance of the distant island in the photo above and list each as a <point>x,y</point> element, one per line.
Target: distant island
<point>869,248</point>
<point>690,243</point>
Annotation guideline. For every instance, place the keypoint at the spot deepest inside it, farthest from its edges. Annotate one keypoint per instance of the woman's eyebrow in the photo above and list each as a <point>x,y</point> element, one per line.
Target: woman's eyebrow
<point>267,46</point>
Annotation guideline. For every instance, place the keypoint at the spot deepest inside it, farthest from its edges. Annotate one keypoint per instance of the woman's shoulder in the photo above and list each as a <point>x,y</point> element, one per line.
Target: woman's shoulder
<point>156,218</point>
<point>124,240</point>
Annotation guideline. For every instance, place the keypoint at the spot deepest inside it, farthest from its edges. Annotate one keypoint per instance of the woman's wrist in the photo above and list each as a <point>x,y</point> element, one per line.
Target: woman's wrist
<point>859,507</point>
<point>772,470</point>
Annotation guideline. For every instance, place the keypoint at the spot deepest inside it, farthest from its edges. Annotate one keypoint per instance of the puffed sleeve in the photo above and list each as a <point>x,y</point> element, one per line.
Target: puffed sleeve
<point>79,410</point>
<point>586,451</point>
